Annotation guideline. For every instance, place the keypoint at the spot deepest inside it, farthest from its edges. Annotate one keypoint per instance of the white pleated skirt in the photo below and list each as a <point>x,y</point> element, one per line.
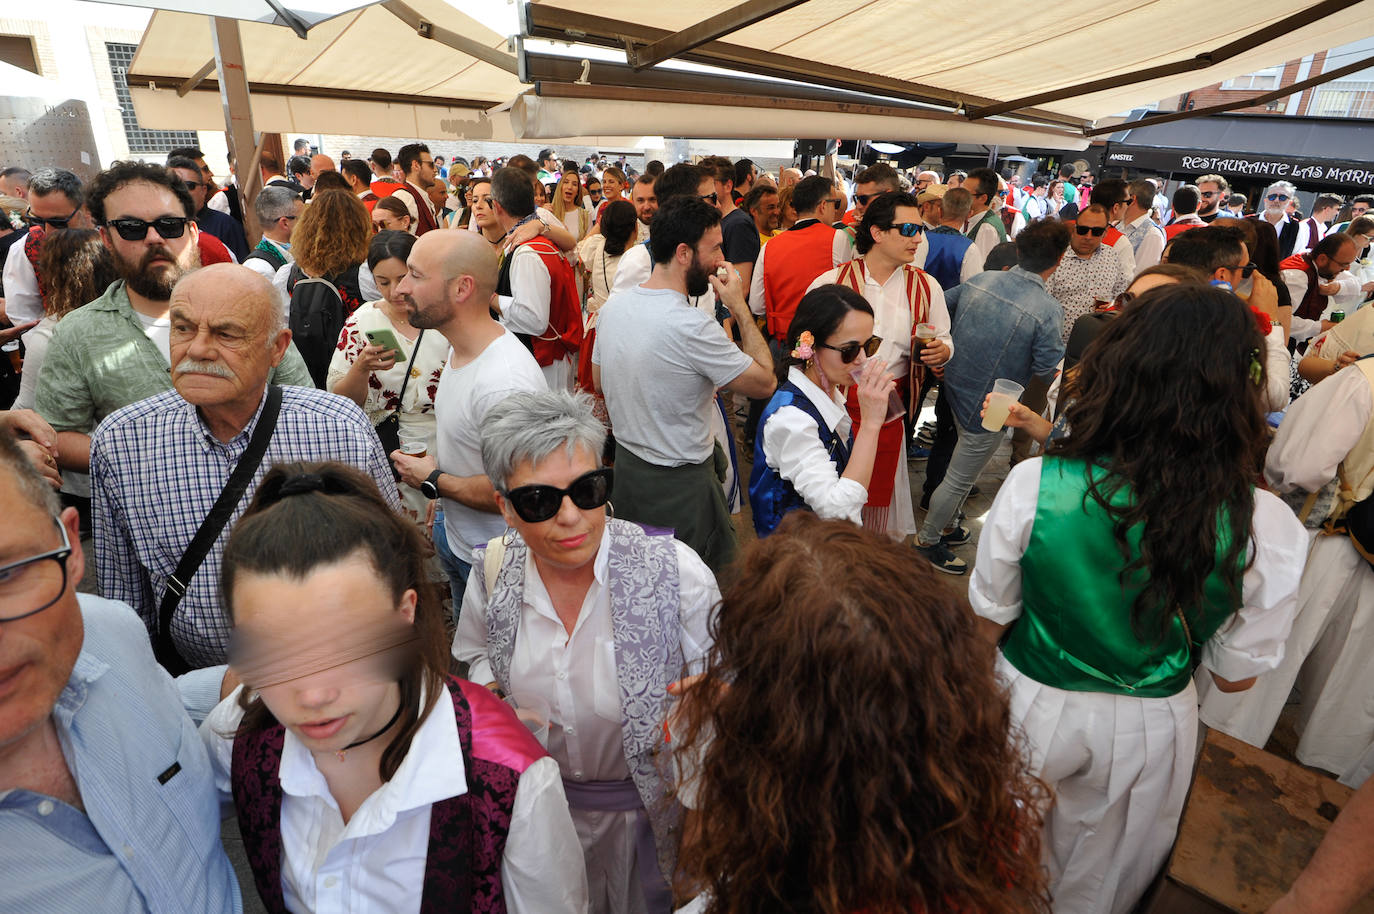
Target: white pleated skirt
<point>1119,768</point>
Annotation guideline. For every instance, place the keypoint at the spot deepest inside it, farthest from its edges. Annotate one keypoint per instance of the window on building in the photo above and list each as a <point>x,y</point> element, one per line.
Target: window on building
<point>141,141</point>
<point>18,51</point>
<point>1267,78</point>
<point>1343,99</point>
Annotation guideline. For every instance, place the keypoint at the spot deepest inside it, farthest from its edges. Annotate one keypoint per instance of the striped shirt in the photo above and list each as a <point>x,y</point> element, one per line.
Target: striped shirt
<point>148,838</point>
<point>156,471</point>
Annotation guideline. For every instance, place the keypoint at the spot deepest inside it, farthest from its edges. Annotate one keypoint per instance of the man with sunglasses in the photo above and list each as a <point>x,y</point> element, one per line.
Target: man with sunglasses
<point>116,350</point>
<point>56,201</point>
<point>106,796</point>
<point>1277,197</point>
<point>1359,206</point>
<point>1213,192</point>
<point>223,227</point>
<point>985,228</point>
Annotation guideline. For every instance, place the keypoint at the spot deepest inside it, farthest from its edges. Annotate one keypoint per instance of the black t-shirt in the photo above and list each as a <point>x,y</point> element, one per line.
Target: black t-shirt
<point>741,239</point>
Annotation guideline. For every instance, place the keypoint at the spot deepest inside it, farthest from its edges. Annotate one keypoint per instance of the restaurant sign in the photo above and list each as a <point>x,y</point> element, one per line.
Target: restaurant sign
<point>1237,165</point>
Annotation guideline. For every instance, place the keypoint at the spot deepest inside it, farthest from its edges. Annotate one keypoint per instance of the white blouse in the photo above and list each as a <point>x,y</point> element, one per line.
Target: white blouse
<point>376,862</point>
<point>792,446</point>
<point>1252,642</point>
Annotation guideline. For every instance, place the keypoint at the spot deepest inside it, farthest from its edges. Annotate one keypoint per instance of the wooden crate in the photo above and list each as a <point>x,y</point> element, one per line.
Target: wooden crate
<point>1251,824</point>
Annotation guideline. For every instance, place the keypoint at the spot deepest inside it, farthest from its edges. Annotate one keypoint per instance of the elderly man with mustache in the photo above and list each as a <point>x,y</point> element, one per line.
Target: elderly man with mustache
<point>163,470</point>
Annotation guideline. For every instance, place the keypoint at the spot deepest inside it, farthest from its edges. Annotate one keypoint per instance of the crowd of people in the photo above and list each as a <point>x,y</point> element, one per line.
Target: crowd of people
<point>421,539</point>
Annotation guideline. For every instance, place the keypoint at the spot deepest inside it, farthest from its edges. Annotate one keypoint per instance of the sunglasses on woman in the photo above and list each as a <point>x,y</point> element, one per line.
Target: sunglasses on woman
<point>850,351</point>
<point>537,503</point>
<point>131,229</point>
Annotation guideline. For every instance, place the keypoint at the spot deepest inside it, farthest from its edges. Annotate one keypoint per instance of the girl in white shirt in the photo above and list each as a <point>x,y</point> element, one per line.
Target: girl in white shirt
<point>806,454</point>
<point>364,777</point>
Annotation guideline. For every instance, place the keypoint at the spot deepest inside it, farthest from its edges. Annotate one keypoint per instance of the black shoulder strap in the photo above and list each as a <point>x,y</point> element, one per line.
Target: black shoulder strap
<point>410,366</point>
<point>209,531</point>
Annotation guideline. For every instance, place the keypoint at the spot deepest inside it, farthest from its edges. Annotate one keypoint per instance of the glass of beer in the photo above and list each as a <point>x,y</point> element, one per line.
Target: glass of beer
<point>414,447</point>
<point>926,333</point>
<point>1004,394</point>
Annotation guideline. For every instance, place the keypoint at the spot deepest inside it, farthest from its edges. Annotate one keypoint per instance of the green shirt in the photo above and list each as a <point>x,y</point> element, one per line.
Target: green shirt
<point>100,360</point>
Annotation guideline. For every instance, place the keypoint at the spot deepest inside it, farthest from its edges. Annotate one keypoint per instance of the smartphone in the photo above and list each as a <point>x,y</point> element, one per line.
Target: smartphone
<point>386,338</point>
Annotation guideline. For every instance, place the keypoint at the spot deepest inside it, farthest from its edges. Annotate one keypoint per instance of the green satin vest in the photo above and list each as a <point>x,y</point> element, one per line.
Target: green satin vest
<point>1074,631</point>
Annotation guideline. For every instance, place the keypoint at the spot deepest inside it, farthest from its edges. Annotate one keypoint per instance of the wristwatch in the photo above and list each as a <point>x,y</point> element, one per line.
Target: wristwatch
<point>430,487</point>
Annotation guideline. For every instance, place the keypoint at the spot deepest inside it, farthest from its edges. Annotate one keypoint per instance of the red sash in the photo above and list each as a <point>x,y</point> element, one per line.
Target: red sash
<point>892,436</point>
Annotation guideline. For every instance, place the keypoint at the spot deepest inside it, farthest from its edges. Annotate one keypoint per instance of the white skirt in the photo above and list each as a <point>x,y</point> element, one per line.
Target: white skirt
<point>1119,768</point>
<point>1332,639</point>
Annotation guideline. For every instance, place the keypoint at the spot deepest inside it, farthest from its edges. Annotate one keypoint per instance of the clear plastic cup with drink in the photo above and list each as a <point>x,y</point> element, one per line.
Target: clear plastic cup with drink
<point>414,447</point>
<point>896,409</point>
<point>1004,394</point>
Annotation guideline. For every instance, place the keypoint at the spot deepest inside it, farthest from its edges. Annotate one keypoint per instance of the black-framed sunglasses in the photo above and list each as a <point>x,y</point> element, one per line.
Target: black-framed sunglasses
<point>907,229</point>
<point>57,222</point>
<point>29,581</point>
<point>1210,193</point>
<point>1097,231</point>
<point>862,199</point>
<point>131,229</point>
<point>710,198</point>
<point>535,504</point>
<point>850,351</point>
<point>1275,198</point>
<point>1246,270</point>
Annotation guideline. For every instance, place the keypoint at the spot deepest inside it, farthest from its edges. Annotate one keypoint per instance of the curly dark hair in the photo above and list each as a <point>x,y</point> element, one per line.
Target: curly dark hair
<point>1183,426</point>
<point>76,268</point>
<point>121,173</point>
<point>854,750</point>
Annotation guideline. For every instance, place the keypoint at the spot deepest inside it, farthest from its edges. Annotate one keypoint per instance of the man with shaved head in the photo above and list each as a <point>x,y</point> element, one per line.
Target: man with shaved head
<point>449,287</point>
<point>159,465</point>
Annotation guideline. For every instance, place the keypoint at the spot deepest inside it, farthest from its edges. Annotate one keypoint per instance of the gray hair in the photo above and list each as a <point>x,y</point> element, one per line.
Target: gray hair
<point>31,483</point>
<point>273,203</point>
<point>1283,186</point>
<point>51,180</point>
<point>530,425</point>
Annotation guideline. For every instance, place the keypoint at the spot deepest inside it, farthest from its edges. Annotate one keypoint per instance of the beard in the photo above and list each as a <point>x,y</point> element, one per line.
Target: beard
<point>419,318</point>
<point>155,283</point>
<point>698,279</point>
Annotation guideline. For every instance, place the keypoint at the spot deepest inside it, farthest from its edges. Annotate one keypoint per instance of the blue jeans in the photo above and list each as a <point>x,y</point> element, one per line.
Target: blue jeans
<point>971,455</point>
<point>456,568</point>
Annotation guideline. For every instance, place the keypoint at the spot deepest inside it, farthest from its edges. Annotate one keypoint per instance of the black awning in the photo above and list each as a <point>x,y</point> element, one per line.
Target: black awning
<point>1330,152</point>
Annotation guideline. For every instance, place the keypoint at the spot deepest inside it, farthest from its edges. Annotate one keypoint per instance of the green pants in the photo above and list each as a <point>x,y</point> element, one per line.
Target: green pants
<point>688,500</point>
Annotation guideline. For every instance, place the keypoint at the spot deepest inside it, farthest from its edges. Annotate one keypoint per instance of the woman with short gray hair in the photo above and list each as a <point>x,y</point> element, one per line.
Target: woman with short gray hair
<point>595,618</point>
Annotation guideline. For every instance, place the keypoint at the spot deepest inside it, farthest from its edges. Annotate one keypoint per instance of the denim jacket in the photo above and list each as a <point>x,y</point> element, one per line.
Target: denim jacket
<point>1005,326</point>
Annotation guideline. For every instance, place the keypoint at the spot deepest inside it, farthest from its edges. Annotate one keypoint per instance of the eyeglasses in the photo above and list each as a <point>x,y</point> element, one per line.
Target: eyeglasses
<point>535,504</point>
<point>34,221</point>
<point>710,198</point>
<point>31,585</point>
<point>850,351</point>
<point>131,229</point>
<point>908,229</point>
<point>1097,231</point>
<point>1276,197</point>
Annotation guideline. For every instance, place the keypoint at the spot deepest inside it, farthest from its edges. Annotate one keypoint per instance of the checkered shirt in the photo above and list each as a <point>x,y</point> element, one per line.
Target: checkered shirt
<point>156,472</point>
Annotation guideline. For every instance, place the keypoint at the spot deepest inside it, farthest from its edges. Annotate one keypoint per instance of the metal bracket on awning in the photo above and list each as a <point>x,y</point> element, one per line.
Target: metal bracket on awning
<point>717,26</point>
<point>426,29</point>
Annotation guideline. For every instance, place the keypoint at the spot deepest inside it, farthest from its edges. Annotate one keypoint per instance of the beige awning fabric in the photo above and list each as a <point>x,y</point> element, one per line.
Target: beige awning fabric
<point>886,69</point>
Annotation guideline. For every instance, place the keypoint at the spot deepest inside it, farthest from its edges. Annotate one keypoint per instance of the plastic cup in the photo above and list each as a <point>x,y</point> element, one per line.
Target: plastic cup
<point>896,409</point>
<point>926,332</point>
<point>533,712</point>
<point>1004,394</point>
<point>414,448</point>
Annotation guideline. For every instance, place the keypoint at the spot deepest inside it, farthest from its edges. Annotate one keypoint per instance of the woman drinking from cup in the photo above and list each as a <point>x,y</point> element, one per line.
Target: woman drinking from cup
<point>806,454</point>
<point>1135,551</point>
<point>597,618</point>
<point>388,367</point>
<point>365,778</point>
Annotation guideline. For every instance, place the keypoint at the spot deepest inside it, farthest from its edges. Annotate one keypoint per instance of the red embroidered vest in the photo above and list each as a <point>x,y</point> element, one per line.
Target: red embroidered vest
<point>563,336</point>
<point>467,834</point>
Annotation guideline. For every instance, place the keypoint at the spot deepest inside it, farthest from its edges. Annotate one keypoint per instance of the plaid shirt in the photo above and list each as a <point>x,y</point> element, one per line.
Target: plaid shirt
<point>156,471</point>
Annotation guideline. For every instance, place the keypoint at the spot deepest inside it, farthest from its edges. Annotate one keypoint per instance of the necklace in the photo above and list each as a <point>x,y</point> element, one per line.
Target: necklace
<point>385,727</point>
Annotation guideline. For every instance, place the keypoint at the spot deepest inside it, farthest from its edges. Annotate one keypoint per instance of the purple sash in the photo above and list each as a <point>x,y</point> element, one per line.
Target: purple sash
<point>623,796</point>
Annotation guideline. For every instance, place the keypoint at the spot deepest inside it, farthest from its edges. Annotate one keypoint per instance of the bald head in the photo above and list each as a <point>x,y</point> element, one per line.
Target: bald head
<point>449,273</point>
<point>319,164</point>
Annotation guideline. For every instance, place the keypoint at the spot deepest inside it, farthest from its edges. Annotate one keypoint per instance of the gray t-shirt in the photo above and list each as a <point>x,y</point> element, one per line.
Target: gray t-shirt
<point>661,363</point>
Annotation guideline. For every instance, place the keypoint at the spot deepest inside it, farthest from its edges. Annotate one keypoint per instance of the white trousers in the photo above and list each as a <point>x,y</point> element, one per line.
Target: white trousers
<point>1120,768</point>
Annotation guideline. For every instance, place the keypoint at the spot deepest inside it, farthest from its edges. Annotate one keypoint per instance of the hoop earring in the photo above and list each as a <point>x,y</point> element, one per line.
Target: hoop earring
<point>610,510</point>
<point>508,538</point>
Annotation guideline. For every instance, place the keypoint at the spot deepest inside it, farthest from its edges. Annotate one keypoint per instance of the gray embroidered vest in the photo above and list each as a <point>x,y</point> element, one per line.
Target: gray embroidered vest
<point>642,577</point>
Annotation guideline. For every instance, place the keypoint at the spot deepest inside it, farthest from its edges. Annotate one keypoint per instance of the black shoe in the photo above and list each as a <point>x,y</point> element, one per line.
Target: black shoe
<point>925,502</point>
<point>939,556</point>
<point>959,537</point>
<point>974,492</point>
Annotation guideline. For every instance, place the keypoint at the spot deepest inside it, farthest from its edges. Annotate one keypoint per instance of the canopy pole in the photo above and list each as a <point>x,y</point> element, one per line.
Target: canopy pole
<point>708,30</point>
<point>238,118</point>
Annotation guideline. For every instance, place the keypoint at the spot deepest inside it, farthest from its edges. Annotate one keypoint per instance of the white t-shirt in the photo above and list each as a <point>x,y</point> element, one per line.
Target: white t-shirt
<point>465,395</point>
<point>661,363</point>
<point>159,330</point>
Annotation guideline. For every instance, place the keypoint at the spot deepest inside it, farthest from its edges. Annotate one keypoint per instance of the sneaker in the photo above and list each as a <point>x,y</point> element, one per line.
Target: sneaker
<point>958,537</point>
<point>915,451</point>
<point>943,560</point>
